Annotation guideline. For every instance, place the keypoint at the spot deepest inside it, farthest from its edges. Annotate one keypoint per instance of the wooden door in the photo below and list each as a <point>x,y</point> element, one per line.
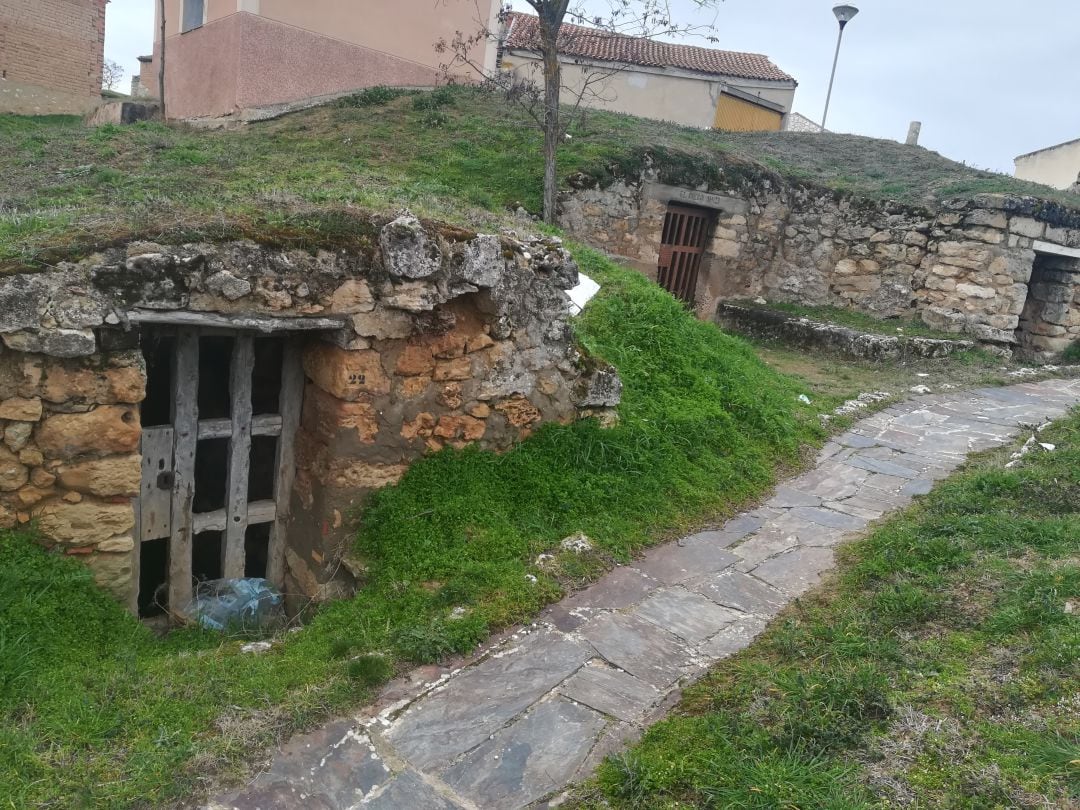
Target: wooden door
<point>217,478</point>
<point>682,245</point>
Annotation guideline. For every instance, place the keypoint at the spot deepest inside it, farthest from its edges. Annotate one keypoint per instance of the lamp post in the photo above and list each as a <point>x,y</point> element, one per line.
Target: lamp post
<point>844,15</point>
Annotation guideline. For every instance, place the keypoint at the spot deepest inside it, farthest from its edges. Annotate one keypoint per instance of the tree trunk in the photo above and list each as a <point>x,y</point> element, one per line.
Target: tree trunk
<point>549,32</point>
<point>161,62</point>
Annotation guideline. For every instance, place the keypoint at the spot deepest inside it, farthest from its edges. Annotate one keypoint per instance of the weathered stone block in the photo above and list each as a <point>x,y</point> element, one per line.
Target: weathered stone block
<point>347,473</point>
<point>352,297</point>
<point>117,545</point>
<point>115,476</point>
<point>519,412</point>
<point>347,375</point>
<point>414,360</point>
<point>479,410</point>
<point>451,396</point>
<point>989,219</point>
<point>107,430</point>
<point>325,415</point>
<point>407,250</point>
<point>449,345</point>
<point>1025,226</point>
<point>458,369</point>
<point>86,523</point>
<point>413,387</point>
<point>42,478</point>
<point>422,426</point>
<point>847,267</point>
<point>484,264</point>
<point>466,428</point>
<point>113,572</point>
<point>13,473</point>
<point>17,434</point>
<point>383,324</point>
<point>1054,313</point>
<point>975,291</point>
<point>21,410</point>
<point>55,342</point>
<point>228,286</point>
<point>413,296</point>
<point>725,248</point>
<point>87,382</point>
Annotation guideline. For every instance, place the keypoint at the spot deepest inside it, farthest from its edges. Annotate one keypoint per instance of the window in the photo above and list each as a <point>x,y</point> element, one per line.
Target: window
<point>194,14</point>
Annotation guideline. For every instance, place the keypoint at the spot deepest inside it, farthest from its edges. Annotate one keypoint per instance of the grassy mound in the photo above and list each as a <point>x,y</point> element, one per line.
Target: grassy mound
<point>95,712</point>
<point>456,154</point>
<point>942,671</point>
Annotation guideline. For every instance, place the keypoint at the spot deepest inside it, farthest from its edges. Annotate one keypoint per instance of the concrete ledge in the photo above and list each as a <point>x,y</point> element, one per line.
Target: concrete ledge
<point>804,333</point>
<point>124,112</point>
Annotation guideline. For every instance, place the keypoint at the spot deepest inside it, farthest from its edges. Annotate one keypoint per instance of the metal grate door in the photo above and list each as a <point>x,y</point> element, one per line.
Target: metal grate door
<point>681,247</point>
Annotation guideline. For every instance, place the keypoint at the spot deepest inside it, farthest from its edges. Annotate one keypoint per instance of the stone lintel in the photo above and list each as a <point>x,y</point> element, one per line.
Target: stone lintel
<point>258,323</point>
<point>1041,246</point>
<point>704,199</point>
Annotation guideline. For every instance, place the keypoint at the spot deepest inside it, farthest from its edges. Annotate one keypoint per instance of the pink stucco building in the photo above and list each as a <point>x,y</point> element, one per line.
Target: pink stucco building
<point>223,56</point>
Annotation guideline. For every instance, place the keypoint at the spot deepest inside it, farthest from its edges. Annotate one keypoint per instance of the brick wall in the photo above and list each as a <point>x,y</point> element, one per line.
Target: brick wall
<point>51,53</point>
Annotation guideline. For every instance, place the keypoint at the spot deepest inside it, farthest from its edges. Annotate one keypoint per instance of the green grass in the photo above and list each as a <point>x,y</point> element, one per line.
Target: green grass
<point>96,712</point>
<point>457,154</point>
<point>941,668</point>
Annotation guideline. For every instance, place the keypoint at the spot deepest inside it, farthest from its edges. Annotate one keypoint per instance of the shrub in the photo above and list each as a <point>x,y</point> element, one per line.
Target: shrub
<point>374,97</point>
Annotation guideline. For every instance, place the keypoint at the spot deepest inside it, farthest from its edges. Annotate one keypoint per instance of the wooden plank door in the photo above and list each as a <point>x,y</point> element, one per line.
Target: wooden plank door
<point>199,491</point>
<point>682,244</point>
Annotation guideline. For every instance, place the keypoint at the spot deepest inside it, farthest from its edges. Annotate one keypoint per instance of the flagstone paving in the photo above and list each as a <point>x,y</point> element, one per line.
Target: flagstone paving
<point>538,709</point>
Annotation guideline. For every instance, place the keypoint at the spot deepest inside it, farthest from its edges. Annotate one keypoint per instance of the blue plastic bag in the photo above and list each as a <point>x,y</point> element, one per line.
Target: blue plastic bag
<point>238,605</point>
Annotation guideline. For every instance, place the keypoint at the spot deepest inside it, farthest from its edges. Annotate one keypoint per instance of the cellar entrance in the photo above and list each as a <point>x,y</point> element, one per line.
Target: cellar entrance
<point>218,424</point>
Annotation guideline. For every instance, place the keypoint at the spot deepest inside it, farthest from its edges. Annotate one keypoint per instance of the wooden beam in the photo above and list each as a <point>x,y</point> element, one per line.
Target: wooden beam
<point>217,521</point>
<point>291,401</point>
<point>155,492</point>
<point>185,428</point>
<point>269,425</point>
<point>249,323</point>
<point>236,501</point>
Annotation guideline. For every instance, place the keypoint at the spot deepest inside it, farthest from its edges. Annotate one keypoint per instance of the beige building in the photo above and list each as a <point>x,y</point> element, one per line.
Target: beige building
<point>51,53</point>
<point>224,56</point>
<point>1057,166</point>
<point>685,84</point>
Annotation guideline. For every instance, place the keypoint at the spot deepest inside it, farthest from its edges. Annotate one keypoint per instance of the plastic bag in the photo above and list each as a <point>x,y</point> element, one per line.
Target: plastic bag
<point>238,605</point>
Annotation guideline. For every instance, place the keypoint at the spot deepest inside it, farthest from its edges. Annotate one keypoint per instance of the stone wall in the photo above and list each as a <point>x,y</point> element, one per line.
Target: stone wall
<point>817,336</point>
<point>429,337</point>
<point>1050,322</point>
<point>963,269</point>
<point>69,457</point>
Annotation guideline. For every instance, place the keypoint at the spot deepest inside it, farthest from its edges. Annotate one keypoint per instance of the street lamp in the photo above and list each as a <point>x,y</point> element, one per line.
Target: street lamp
<point>844,15</point>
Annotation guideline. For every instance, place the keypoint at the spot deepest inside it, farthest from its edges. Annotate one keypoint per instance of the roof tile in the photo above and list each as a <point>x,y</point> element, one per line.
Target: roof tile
<point>591,43</point>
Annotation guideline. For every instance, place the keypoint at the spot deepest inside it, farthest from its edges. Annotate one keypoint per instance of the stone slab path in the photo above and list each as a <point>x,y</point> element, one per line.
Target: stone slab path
<point>537,710</point>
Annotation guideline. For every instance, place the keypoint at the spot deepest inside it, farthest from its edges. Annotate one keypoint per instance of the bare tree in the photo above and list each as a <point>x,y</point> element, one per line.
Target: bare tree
<point>542,99</point>
<point>161,61</point>
<point>111,74</point>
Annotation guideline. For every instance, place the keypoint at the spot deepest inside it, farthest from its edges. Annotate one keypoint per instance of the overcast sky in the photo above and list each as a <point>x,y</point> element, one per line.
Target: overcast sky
<point>989,79</point>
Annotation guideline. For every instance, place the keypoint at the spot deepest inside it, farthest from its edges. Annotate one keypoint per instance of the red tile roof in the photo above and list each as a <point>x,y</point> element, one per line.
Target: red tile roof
<point>523,33</point>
